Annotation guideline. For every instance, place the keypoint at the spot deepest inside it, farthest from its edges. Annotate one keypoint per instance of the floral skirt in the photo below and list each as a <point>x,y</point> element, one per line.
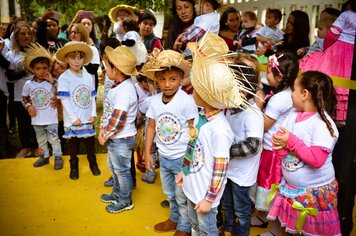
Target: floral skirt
<point>323,198</point>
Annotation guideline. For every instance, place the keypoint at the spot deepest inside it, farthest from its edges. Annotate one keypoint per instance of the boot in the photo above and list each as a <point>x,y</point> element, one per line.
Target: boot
<point>74,171</point>
<point>94,166</point>
<point>3,143</point>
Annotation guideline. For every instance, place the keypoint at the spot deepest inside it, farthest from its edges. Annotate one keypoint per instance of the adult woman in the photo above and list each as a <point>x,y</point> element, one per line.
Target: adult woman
<point>86,19</point>
<point>229,26</point>
<point>77,32</point>
<point>183,15</point>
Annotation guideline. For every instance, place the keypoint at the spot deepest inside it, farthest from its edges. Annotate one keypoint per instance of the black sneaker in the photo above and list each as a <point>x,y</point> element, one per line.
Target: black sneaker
<point>41,162</point>
<point>58,163</point>
<point>74,174</point>
<point>165,204</point>
<point>120,207</point>
<point>95,170</point>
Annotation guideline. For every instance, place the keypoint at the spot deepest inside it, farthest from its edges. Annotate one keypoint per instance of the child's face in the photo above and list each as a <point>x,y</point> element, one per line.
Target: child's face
<point>122,15</point>
<point>200,7</point>
<point>271,21</point>
<point>75,61</point>
<point>41,70</point>
<point>273,80</point>
<point>247,22</point>
<point>322,31</point>
<point>198,100</point>
<point>146,27</point>
<point>169,82</point>
<point>112,72</point>
<point>298,95</point>
<point>59,68</point>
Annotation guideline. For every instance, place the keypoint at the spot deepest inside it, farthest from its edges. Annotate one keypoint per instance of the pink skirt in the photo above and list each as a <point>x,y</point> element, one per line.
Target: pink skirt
<point>323,198</point>
<point>270,172</point>
<point>334,61</point>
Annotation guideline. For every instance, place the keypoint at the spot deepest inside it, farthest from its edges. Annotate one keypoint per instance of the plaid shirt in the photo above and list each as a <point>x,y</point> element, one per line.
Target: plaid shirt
<point>193,34</point>
<point>219,175</point>
<point>115,124</point>
<point>245,148</point>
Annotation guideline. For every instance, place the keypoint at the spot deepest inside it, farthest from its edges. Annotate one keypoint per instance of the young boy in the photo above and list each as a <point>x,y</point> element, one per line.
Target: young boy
<point>147,21</point>
<point>208,151</point>
<point>170,113</point>
<point>119,128</point>
<point>77,93</point>
<point>36,98</point>
<point>246,38</point>
<point>247,126</point>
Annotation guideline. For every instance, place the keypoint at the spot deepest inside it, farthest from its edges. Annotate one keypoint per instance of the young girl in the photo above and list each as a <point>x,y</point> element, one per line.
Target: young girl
<point>282,71</point>
<point>305,143</point>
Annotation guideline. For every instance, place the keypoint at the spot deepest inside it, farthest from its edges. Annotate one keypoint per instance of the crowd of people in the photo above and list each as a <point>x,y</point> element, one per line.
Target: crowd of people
<point>227,137</point>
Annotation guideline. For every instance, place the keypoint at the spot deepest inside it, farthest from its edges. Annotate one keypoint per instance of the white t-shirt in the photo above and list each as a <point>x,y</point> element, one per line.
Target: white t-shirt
<point>245,124</point>
<point>314,132</point>
<point>273,34</point>
<point>277,108</point>
<point>172,123</point>
<point>123,97</point>
<point>80,92</point>
<point>214,140</point>
<point>40,94</point>
<point>208,22</point>
<point>142,95</point>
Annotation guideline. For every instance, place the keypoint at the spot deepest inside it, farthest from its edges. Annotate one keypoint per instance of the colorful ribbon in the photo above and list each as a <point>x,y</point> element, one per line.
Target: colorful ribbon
<point>272,193</point>
<point>303,214</point>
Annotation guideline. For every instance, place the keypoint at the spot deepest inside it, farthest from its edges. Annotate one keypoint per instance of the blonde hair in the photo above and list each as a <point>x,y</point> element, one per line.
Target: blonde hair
<point>84,35</point>
<point>15,45</point>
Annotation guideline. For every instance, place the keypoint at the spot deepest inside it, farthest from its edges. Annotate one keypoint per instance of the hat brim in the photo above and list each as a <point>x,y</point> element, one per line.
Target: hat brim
<point>114,11</point>
<point>75,47</point>
<point>33,52</point>
<point>113,57</point>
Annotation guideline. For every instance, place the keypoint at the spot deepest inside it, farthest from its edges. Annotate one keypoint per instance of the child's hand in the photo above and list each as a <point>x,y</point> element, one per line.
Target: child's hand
<point>101,138</point>
<point>280,139</point>
<point>53,101</point>
<point>300,52</point>
<point>203,207</point>
<point>178,43</point>
<point>77,122</point>
<point>268,42</point>
<point>49,77</point>
<point>179,179</point>
<point>91,119</point>
<point>235,42</point>
<point>31,111</point>
<point>149,162</point>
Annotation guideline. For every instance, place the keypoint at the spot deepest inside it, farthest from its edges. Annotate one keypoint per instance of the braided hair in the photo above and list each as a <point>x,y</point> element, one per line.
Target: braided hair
<point>323,94</point>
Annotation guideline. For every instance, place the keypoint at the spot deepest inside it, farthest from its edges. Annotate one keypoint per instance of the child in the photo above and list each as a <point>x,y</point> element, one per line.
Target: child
<point>117,15</point>
<point>36,98</point>
<point>281,73</point>
<point>270,34</point>
<point>304,143</point>
<point>77,93</point>
<point>170,113</point>
<point>147,21</point>
<point>247,126</point>
<point>119,127</point>
<point>207,155</point>
<point>323,26</point>
<point>246,39</point>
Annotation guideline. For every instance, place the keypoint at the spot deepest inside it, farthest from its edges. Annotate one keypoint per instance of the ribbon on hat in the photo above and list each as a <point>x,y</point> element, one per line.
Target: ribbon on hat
<point>272,193</point>
<point>303,214</point>
<point>189,153</point>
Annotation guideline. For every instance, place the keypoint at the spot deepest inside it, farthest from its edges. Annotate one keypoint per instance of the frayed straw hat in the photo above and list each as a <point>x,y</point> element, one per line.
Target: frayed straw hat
<point>122,7</point>
<point>123,59</point>
<point>34,51</point>
<point>211,76</point>
<point>165,59</point>
<point>74,46</point>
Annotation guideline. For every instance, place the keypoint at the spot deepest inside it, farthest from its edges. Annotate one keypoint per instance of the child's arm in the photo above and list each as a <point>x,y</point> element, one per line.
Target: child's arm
<point>245,148</point>
<point>219,175</point>
<point>261,39</point>
<point>115,125</point>
<point>150,134</point>
<point>93,111</point>
<point>314,156</point>
<point>27,103</point>
<point>268,123</point>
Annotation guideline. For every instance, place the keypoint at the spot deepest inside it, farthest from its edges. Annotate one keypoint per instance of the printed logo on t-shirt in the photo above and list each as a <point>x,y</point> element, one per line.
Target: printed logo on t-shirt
<point>291,163</point>
<point>198,160</point>
<point>40,98</point>
<point>82,96</point>
<point>107,109</point>
<point>168,128</point>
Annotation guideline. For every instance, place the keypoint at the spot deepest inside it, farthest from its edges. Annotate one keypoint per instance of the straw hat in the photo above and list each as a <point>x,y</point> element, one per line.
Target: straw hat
<point>211,76</point>
<point>115,10</point>
<point>34,51</point>
<point>123,59</point>
<point>166,59</point>
<point>74,46</point>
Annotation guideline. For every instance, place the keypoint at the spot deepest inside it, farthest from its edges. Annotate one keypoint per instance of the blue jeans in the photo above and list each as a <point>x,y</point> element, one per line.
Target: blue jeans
<point>177,199</point>
<point>236,202</point>
<point>45,134</point>
<point>203,224</point>
<point>119,162</point>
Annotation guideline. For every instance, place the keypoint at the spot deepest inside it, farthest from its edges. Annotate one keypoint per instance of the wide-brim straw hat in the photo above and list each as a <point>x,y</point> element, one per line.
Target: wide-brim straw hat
<point>113,12</point>
<point>165,59</point>
<point>212,78</point>
<point>123,59</point>
<point>75,46</point>
<point>34,51</point>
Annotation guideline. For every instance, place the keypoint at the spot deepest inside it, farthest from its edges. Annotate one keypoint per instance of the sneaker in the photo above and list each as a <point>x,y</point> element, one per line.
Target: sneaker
<point>58,163</point>
<point>165,204</point>
<point>109,182</point>
<point>108,198</point>
<point>150,179</point>
<point>41,162</point>
<point>166,226</point>
<point>120,207</point>
<point>95,170</point>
